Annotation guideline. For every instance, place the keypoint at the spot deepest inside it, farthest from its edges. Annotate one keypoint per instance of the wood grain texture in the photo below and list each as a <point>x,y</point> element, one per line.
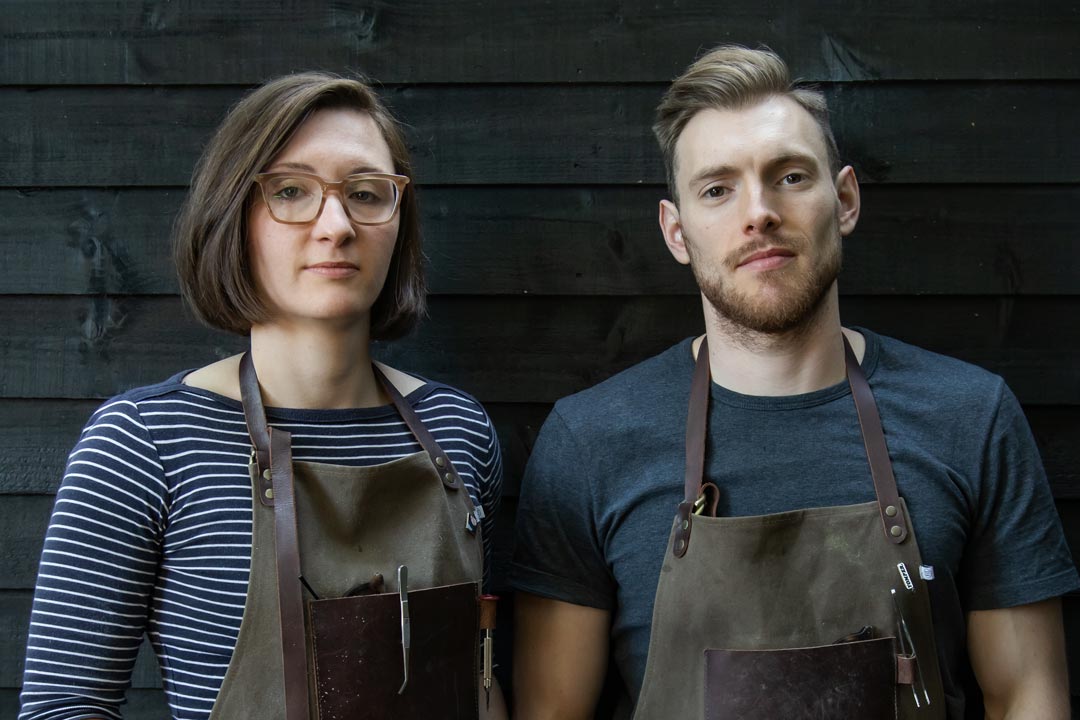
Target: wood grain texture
<point>552,134</point>
<point>520,349</point>
<point>98,42</point>
<point>938,239</point>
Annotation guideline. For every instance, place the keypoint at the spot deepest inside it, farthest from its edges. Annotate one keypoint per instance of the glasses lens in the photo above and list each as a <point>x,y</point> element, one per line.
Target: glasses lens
<point>293,199</point>
<point>370,200</point>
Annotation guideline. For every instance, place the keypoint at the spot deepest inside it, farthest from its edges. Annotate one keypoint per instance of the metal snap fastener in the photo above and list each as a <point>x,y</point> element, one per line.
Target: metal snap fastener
<point>449,477</point>
<point>440,461</point>
<point>890,511</point>
<point>896,531</point>
<point>685,524</point>
<point>266,474</point>
<point>269,493</point>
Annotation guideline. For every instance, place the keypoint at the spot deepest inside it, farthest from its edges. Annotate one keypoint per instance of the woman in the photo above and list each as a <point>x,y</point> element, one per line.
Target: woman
<point>273,564</point>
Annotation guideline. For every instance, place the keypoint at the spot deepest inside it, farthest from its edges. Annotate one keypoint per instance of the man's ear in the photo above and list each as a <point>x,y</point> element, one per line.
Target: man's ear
<point>671,226</point>
<point>847,192</point>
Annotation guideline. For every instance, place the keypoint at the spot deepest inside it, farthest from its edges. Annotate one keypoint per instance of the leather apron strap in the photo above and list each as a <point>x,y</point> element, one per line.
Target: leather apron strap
<point>894,523</point>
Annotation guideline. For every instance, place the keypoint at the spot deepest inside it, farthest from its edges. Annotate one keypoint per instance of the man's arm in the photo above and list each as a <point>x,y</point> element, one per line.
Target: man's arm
<point>560,658</point>
<point>1018,655</point>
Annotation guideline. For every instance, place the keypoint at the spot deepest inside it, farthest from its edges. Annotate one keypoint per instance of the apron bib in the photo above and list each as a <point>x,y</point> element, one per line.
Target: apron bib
<point>323,633</point>
<point>815,613</point>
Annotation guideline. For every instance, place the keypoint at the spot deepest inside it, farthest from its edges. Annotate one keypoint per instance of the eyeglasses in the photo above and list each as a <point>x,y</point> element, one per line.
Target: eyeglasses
<point>295,198</point>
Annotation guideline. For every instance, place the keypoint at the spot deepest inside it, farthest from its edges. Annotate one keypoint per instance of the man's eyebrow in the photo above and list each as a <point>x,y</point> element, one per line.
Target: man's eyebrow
<point>793,158</point>
<point>714,171</point>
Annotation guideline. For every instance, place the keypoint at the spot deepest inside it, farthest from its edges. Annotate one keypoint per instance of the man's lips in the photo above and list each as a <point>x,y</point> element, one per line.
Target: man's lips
<point>333,269</point>
<point>766,259</point>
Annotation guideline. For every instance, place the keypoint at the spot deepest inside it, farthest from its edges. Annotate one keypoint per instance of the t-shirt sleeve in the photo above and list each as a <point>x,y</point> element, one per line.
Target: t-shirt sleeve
<point>97,571</point>
<point>1016,551</point>
<point>557,551</point>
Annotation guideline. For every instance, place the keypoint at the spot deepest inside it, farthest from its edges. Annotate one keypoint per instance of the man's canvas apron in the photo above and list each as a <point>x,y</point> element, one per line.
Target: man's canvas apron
<point>816,613</point>
<point>336,528</point>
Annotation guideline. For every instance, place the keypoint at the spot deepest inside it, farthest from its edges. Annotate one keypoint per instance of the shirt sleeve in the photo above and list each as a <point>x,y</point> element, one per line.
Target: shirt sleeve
<point>97,571</point>
<point>489,477</point>
<point>557,551</point>
<point>1016,551</point>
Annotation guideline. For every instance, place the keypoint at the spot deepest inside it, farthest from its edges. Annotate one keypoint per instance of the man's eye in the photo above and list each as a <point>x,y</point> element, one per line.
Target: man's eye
<point>716,191</point>
<point>793,178</point>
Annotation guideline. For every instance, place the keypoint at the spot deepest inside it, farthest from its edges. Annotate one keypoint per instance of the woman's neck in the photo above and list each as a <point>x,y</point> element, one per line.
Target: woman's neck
<point>315,366</point>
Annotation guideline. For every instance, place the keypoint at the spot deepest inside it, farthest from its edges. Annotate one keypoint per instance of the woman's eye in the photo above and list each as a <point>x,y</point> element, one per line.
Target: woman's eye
<point>363,196</point>
<point>289,192</point>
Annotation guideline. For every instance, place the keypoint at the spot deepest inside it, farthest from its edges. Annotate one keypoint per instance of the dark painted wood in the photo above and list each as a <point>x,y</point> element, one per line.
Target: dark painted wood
<point>520,349</point>
<point>553,134</point>
<point>954,240</point>
<point>488,40</point>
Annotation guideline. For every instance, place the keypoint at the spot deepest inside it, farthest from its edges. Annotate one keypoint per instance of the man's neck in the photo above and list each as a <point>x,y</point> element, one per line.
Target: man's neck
<point>313,366</point>
<point>807,358</point>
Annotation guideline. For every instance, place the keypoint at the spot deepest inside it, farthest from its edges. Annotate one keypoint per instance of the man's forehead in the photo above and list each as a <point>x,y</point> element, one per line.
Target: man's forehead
<point>774,127</point>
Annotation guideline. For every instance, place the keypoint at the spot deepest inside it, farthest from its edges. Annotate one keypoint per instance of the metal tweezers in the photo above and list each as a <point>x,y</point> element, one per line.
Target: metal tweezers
<point>907,647</point>
<point>403,593</point>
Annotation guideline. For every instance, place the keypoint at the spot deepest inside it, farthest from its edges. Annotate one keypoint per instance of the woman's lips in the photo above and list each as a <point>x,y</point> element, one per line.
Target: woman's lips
<point>333,269</point>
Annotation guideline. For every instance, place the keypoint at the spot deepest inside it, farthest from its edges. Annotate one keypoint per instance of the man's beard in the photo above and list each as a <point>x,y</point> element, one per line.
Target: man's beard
<point>800,293</point>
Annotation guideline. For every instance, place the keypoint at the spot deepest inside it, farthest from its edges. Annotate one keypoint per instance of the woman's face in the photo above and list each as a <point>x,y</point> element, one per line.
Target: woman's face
<point>330,270</point>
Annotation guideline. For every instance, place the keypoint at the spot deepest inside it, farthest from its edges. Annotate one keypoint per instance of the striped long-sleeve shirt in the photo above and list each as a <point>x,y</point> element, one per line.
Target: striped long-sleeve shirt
<point>151,533</point>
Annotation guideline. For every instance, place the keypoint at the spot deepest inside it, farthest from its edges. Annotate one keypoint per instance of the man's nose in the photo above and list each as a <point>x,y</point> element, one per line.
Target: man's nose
<point>761,214</point>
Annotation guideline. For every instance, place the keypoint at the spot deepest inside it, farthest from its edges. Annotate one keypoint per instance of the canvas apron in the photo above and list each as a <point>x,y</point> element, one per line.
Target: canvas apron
<point>337,527</point>
<point>791,615</point>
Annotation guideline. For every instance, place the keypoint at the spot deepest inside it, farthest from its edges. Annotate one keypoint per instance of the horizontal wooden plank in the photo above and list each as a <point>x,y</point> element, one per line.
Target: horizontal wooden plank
<point>947,239</point>
<point>552,134</point>
<point>36,436</point>
<point>101,42</point>
<point>520,349</point>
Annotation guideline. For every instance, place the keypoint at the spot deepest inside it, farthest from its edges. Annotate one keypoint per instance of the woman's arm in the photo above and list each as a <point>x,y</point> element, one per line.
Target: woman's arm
<point>97,570</point>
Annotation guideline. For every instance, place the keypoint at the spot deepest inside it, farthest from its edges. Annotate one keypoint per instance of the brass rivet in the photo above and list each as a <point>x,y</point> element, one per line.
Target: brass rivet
<point>891,511</point>
<point>440,461</point>
<point>896,531</point>
<point>685,524</point>
<point>266,474</point>
<point>269,493</point>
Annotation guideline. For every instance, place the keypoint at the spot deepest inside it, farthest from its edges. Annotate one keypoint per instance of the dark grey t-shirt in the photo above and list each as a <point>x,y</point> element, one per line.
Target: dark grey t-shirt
<point>606,475</point>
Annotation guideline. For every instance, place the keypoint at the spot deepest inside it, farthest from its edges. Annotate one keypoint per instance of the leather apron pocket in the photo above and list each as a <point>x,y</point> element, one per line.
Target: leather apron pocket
<point>845,681</point>
<point>358,659</point>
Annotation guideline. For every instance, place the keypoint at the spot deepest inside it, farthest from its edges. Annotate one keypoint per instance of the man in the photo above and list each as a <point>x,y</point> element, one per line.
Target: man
<point>759,204</point>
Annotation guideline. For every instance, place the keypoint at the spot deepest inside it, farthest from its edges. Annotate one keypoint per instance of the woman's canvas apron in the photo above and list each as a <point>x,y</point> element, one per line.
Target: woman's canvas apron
<point>816,613</point>
<point>324,634</point>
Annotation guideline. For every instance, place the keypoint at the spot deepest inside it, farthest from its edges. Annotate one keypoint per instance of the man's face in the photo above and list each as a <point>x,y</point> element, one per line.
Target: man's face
<point>759,217</point>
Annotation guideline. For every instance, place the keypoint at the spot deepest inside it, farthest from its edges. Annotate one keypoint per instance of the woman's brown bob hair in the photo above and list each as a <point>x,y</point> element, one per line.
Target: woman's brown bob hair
<point>210,236</point>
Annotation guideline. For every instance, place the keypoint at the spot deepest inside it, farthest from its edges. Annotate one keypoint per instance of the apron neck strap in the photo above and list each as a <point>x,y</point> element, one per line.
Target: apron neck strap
<point>255,418</point>
<point>894,522</point>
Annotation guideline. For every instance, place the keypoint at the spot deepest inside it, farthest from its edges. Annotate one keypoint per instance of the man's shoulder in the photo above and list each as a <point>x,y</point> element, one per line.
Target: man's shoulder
<point>636,392</point>
<point>916,365</point>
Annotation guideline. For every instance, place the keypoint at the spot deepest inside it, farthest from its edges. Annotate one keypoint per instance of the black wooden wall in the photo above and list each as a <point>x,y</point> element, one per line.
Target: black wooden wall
<point>539,181</point>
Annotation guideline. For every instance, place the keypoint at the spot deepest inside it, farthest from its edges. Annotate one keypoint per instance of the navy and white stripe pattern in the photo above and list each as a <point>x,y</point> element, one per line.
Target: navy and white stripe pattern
<point>151,533</point>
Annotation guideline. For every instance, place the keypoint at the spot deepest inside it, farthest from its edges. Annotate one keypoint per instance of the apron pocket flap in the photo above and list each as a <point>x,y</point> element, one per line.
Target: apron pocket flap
<point>855,680</point>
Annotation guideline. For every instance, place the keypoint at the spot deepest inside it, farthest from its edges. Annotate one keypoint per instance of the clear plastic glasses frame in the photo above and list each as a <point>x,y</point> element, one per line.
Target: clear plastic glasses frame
<point>266,183</point>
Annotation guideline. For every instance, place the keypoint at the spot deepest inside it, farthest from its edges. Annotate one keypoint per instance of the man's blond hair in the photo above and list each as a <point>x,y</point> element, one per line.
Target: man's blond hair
<point>731,77</point>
